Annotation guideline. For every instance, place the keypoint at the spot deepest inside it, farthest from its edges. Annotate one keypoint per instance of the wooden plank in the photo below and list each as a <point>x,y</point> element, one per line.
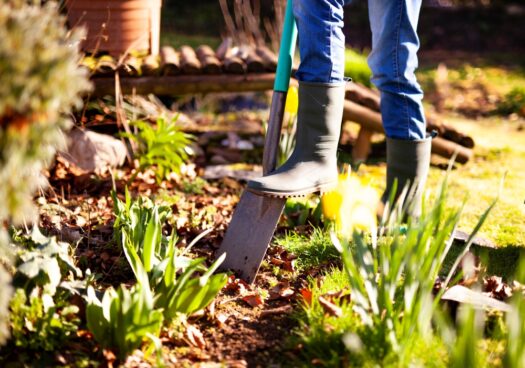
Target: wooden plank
<point>185,84</point>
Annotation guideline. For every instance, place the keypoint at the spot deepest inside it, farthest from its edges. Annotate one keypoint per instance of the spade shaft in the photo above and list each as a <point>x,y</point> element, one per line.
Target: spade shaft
<point>255,218</point>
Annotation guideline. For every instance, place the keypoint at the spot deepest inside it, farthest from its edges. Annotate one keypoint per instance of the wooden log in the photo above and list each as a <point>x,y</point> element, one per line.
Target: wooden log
<point>223,48</point>
<point>130,67</point>
<point>363,95</point>
<point>189,63</point>
<point>254,63</point>
<point>210,63</point>
<point>269,58</point>
<point>371,120</point>
<point>362,145</point>
<point>169,61</point>
<point>106,65</point>
<point>232,63</point>
<point>150,65</point>
<point>370,98</point>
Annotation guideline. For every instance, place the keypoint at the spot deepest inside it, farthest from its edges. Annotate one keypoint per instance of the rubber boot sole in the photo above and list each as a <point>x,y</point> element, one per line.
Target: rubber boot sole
<point>319,189</point>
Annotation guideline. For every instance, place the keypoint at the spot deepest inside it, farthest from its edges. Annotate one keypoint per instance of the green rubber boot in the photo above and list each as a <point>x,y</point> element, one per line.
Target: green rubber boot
<point>312,166</point>
<point>408,162</point>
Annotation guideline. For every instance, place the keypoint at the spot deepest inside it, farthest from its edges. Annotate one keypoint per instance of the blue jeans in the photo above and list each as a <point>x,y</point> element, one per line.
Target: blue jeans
<point>393,59</point>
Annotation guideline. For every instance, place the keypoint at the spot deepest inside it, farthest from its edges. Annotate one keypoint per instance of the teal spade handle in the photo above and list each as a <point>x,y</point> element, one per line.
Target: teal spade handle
<point>286,51</point>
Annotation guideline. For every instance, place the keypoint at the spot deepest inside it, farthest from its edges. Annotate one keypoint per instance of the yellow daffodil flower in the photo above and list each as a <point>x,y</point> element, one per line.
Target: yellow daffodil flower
<point>352,205</point>
<point>292,101</point>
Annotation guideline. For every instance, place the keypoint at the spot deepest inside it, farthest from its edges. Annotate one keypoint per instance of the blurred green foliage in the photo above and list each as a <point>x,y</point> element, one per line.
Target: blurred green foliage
<point>513,102</point>
<point>356,67</point>
<point>40,84</point>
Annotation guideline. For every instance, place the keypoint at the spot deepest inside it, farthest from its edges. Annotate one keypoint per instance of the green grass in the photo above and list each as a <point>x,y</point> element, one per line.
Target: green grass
<point>499,79</point>
<point>499,151</point>
<point>319,334</point>
<point>311,250</point>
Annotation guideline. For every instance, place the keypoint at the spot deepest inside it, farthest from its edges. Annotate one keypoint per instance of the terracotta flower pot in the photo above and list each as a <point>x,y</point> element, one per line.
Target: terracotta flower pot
<point>117,26</point>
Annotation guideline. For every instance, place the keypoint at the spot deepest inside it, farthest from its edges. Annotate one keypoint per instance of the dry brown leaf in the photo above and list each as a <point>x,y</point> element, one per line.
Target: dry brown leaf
<point>330,307</point>
<point>276,261</point>
<point>109,356</point>
<point>289,265</point>
<point>221,319</point>
<point>104,256</point>
<point>281,290</point>
<point>195,337</point>
<point>237,285</point>
<point>254,300</point>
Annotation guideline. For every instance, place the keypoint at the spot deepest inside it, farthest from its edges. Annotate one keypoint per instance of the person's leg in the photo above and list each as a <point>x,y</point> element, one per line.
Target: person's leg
<point>393,61</point>
<point>312,165</point>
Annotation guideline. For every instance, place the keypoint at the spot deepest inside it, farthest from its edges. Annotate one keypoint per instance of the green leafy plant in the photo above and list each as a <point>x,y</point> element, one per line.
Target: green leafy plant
<point>173,278</point>
<point>194,186</point>
<point>123,319</point>
<point>172,275</point>
<point>392,283</point>
<point>303,211</point>
<point>5,295</point>
<point>139,220</point>
<point>43,262</point>
<point>41,317</point>
<point>161,146</point>
<point>40,321</point>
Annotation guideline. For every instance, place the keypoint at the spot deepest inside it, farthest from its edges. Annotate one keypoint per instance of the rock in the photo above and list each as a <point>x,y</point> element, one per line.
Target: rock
<point>94,152</point>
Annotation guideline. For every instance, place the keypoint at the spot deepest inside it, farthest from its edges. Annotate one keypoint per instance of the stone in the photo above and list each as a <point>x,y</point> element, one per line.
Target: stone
<point>94,152</point>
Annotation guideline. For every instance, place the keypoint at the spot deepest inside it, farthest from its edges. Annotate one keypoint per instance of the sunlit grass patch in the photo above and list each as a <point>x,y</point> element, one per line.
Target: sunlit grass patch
<point>499,150</point>
<point>311,250</point>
